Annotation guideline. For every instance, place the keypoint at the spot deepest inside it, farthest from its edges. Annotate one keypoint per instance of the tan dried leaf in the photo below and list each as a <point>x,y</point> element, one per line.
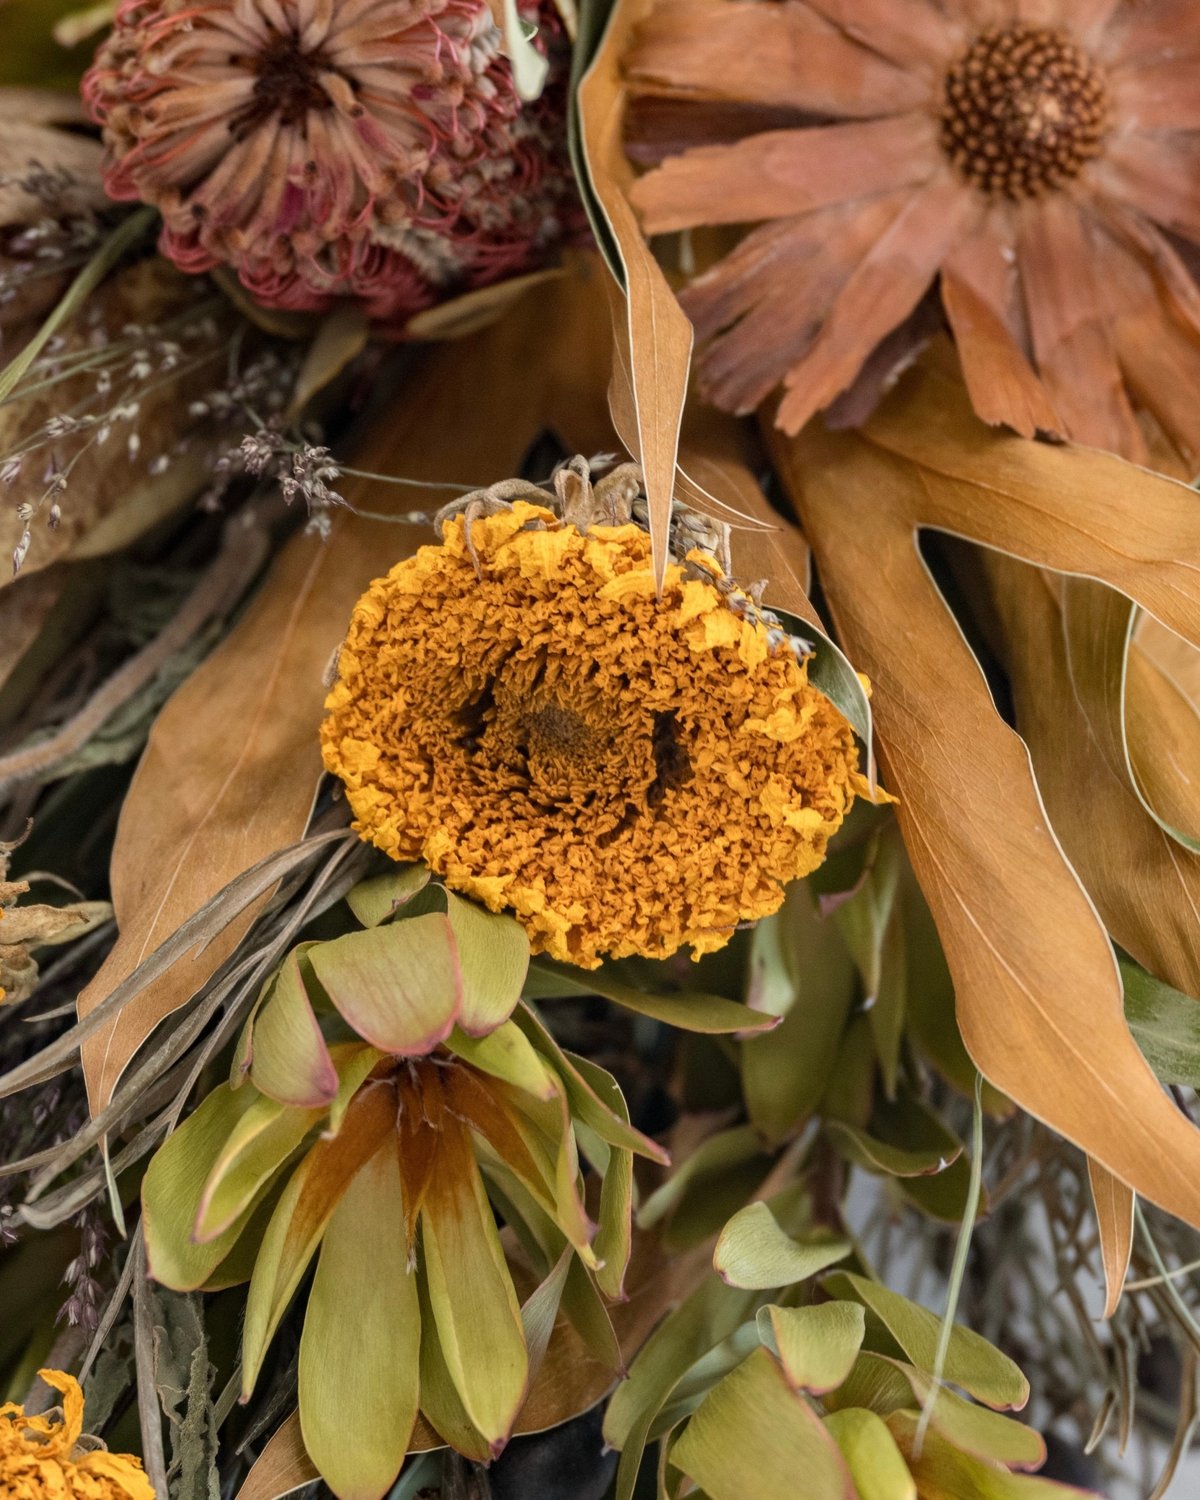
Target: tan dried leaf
<point>232,764</point>
<point>660,335</point>
<point>1038,992</point>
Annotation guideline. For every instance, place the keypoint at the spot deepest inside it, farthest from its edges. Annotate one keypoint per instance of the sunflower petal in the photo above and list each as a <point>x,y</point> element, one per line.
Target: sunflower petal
<point>785,173</point>
<point>360,1350</point>
<point>1158,175</point>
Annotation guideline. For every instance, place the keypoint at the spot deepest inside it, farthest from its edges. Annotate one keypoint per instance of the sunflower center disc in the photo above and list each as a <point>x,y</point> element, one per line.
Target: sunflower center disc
<point>1023,109</point>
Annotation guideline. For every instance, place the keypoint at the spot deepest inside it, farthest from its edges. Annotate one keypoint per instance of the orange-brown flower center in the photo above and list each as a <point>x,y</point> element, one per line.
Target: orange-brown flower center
<point>1023,109</point>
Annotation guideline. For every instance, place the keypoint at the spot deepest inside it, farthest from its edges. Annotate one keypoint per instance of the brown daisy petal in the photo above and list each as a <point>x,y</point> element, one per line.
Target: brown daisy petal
<point>1160,361</point>
<point>785,173</point>
<point>1070,328</point>
<point>1160,92</point>
<point>765,54</point>
<point>1086,18</point>
<point>1177,287</point>
<point>764,304</point>
<point>1157,175</point>
<point>1149,28</point>
<point>978,284</point>
<point>913,33</point>
<point>885,287</point>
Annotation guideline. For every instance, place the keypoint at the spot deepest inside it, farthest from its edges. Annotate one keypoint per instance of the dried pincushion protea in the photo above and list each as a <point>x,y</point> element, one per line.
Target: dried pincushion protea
<point>626,774</point>
<point>1045,160</point>
<point>48,1455</point>
<point>373,149</point>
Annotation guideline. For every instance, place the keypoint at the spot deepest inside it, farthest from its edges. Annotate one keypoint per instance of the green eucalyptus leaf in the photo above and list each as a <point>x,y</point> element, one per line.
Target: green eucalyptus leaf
<point>756,1253</point>
<point>876,1464</point>
<point>944,1472</point>
<point>754,1435</point>
<point>817,1345</point>
<point>971,1362</point>
<point>886,1385</point>
<point>699,1324</point>
<point>1165,1025</point>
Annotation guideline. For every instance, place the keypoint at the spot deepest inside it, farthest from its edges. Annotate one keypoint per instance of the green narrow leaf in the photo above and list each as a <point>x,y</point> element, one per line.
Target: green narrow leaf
<point>711,1014</point>
<point>713,1158</point>
<point>300,1219</point>
<point>785,1074</point>
<point>816,1346</point>
<point>829,670</point>
<point>593,1094</point>
<point>705,1319</point>
<point>755,1252</point>
<point>508,1054</point>
<point>361,1346</point>
<point>374,901</point>
<point>172,1187</point>
<point>876,1465</point>
<point>440,1402</point>
<point>754,1434</point>
<point>471,1293</point>
<point>399,986</point>
<point>872,926</point>
<point>493,953</point>
<point>289,1060</point>
<point>259,1145</point>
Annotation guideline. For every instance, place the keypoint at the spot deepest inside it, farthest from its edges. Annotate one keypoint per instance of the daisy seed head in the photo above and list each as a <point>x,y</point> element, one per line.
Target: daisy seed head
<point>1025,108</point>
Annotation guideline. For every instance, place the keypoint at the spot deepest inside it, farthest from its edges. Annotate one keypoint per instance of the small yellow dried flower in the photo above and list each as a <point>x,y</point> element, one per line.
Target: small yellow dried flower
<point>43,1458</point>
<point>628,774</point>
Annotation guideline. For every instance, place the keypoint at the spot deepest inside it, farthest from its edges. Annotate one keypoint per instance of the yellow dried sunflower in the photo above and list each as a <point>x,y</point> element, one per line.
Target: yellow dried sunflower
<point>47,1458</point>
<point>627,774</point>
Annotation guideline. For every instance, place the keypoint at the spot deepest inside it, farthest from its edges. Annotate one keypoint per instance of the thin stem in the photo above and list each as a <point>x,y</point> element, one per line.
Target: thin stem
<point>123,238</point>
<point>958,1268</point>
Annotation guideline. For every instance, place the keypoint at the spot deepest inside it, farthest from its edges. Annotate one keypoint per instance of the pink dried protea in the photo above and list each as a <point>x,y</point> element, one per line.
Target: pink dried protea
<point>373,149</point>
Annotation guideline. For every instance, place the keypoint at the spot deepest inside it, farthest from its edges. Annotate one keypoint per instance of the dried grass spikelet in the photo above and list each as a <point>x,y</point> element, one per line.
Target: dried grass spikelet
<point>627,774</point>
<point>48,1458</point>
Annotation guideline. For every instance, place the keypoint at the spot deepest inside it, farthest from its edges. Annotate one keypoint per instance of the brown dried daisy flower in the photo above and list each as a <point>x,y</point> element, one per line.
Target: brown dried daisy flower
<point>373,149</point>
<point>1043,158</point>
<point>626,773</point>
